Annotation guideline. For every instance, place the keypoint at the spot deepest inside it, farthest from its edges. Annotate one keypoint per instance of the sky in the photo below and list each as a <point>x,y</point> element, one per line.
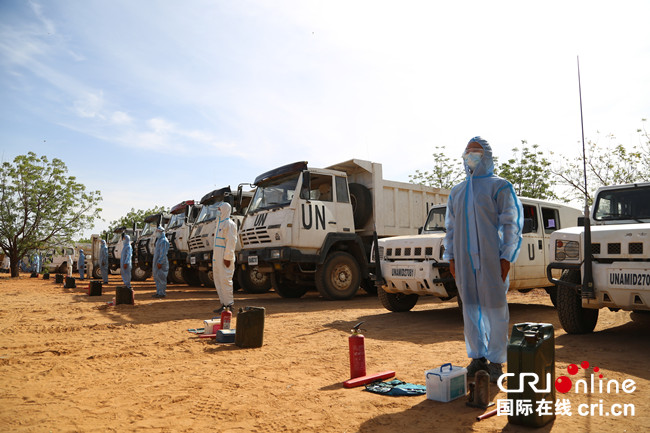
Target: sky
<point>159,101</point>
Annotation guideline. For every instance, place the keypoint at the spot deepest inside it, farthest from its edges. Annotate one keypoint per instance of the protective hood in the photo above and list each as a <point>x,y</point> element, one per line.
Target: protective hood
<point>225,210</point>
<point>127,240</point>
<point>103,243</point>
<point>486,165</point>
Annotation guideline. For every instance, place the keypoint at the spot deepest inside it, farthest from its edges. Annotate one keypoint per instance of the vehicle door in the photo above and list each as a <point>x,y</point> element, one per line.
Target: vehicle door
<point>530,268</point>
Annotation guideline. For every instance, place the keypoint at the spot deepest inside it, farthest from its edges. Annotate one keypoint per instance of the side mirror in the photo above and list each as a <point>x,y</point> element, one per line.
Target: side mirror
<point>581,221</point>
<point>528,225</point>
<point>238,199</point>
<point>420,230</point>
<point>306,182</point>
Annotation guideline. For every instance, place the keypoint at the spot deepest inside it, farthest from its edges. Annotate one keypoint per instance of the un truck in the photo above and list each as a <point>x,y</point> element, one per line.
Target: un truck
<point>615,267</point>
<point>202,236</point>
<point>115,245</point>
<point>310,226</point>
<point>145,245</point>
<point>183,217</point>
<point>412,266</point>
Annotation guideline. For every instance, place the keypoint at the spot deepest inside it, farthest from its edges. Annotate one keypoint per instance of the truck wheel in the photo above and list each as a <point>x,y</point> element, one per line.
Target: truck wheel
<point>361,200</point>
<point>287,288</point>
<point>338,278</point>
<point>176,274</point>
<point>574,318</point>
<point>206,278</point>
<point>397,302</point>
<point>191,277</point>
<point>552,293</point>
<point>138,274</point>
<point>97,272</point>
<point>253,281</point>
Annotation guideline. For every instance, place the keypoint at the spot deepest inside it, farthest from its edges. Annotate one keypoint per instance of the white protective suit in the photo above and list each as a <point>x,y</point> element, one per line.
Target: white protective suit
<point>484,224</point>
<point>225,239</point>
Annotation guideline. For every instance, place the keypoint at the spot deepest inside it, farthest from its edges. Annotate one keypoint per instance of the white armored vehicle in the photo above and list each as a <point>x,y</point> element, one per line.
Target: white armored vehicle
<point>412,266</point>
<point>183,216</point>
<point>619,257</point>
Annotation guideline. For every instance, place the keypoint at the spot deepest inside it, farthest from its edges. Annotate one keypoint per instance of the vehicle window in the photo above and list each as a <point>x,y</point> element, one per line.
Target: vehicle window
<point>623,204</point>
<point>274,193</point>
<point>551,219</point>
<point>320,187</point>
<point>342,195</point>
<point>531,213</point>
<point>436,220</point>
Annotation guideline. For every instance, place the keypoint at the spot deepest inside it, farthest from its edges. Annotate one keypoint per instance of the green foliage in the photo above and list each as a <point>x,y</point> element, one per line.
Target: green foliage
<point>133,216</point>
<point>41,206</point>
<point>529,173</point>
<point>607,163</point>
<point>445,174</point>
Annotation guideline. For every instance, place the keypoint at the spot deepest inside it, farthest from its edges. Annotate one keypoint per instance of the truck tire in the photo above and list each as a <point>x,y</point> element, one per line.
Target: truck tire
<point>361,200</point>
<point>207,278</point>
<point>191,277</point>
<point>176,274</point>
<point>574,318</point>
<point>397,302</point>
<point>286,288</point>
<point>253,281</point>
<point>138,274</point>
<point>97,272</point>
<point>339,277</point>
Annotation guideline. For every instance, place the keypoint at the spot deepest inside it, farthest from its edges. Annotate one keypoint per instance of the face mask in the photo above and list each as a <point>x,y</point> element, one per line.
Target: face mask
<point>472,159</point>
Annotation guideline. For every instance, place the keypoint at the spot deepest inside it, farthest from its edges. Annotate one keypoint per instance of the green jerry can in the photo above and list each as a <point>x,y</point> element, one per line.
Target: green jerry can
<point>250,327</point>
<point>531,349</point>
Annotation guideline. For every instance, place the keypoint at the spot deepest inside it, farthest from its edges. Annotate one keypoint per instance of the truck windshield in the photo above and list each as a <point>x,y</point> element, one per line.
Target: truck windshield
<point>116,238</point>
<point>623,204</point>
<point>208,212</point>
<point>275,193</point>
<point>436,220</point>
<point>149,228</point>
<point>177,220</point>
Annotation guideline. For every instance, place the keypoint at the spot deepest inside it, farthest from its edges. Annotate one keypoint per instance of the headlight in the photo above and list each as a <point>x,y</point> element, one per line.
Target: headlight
<point>566,250</point>
<point>275,254</point>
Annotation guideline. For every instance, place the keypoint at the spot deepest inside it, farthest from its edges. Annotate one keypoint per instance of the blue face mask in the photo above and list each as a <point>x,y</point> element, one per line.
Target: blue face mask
<point>472,159</point>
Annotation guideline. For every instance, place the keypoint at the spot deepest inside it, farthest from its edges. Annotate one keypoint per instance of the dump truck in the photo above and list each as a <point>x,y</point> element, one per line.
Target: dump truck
<point>202,235</point>
<point>145,245</point>
<point>613,269</point>
<point>412,266</point>
<point>183,217</point>
<point>309,227</point>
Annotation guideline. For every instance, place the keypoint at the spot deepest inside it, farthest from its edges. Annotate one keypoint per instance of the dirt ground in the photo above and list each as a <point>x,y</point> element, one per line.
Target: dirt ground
<point>70,363</point>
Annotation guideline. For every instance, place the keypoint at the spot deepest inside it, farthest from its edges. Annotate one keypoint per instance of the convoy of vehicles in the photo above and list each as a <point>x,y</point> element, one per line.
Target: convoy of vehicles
<point>310,227</point>
<point>183,217</point>
<point>412,266</point>
<point>619,259</point>
<point>145,244</point>
<point>115,245</point>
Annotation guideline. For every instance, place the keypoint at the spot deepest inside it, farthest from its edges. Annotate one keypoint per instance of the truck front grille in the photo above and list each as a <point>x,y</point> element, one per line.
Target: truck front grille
<point>635,248</point>
<point>196,243</point>
<point>614,248</point>
<point>409,253</point>
<point>256,235</point>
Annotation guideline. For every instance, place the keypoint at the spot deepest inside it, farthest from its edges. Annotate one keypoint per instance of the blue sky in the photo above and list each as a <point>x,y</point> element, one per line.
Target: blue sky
<point>155,102</point>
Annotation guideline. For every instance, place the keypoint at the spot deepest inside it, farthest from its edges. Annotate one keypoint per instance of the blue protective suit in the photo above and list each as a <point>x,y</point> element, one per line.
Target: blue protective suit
<point>81,264</point>
<point>160,258</point>
<point>484,224</point>
<point>125,261</point>
<point>36,263</point>
<point>103,261</point>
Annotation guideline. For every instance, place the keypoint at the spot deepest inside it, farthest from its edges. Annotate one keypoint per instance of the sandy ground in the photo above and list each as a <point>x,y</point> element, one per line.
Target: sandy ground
<point>70,363</point>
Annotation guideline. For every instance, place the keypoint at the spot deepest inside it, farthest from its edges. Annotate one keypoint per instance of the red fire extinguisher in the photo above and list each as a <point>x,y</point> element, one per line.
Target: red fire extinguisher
<point>356,342</point>
<point>226,315</point>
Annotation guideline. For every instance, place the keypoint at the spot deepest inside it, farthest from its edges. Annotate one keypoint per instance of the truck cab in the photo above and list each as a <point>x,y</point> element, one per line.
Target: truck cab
<point>145,245</point>
<point>619,256</point>
<point>183,217</point>
<point>412,266</point>
<point>56,259</point>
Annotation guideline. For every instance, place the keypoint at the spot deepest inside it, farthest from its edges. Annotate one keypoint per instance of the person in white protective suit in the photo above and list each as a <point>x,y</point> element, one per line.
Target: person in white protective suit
<point>484,225</point>
<point>223,256</point>
<point>125,260</point>
<point>160,263</point>
<point>103,261</point>
<point>70,264</point>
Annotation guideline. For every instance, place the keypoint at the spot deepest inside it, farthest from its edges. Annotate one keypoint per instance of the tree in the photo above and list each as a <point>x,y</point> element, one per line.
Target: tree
<point>133,216</point>
<point>607,164</point>
<point>528,172</point>
<point>41,206</point>
<point>445,174</point>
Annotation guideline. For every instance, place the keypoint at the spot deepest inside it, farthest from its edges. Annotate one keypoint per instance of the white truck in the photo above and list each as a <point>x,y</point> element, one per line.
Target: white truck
<point>55,259</point>
<point>619,258</point>
<point>183,216</point>
<point>312,226</point>
<point>412,266</point>
<point>145,244</point>
<point>202,236</point>
<point>115,245</point>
